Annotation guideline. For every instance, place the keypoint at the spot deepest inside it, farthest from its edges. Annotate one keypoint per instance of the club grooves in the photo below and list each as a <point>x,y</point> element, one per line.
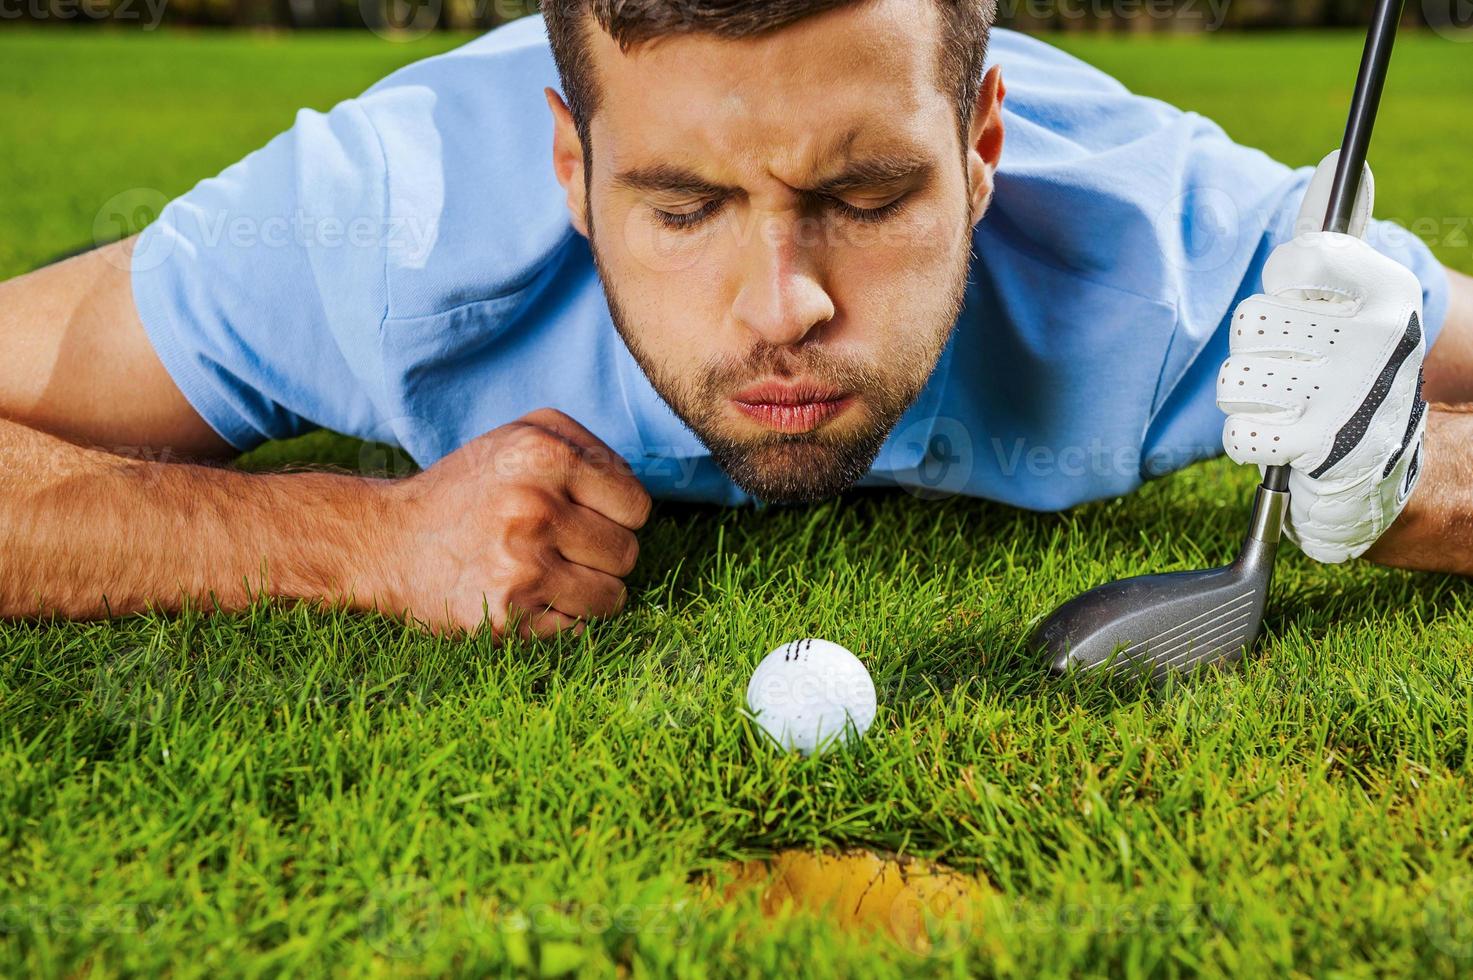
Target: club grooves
<point>1238,609</point>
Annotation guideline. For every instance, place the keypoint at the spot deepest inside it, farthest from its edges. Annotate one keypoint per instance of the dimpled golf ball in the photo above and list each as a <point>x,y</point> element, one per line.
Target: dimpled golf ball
<point>811,695</point>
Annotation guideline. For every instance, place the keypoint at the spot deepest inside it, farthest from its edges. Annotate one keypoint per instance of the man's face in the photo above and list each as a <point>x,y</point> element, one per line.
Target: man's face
<point>782,226</point>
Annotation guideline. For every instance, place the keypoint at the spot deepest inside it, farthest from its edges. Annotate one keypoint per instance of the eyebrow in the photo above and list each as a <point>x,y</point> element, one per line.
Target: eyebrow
<point>875,171</point>
<point>868,172</point>
<point>667,177</point>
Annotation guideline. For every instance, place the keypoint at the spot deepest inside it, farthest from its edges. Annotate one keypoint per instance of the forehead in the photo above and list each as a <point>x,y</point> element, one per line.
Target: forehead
<point>861,78</point>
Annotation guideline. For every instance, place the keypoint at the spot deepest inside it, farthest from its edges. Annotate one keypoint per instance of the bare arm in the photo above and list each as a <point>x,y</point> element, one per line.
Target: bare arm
<point>87,534</point>
<point>1435,532</point>
<point>98,516</point>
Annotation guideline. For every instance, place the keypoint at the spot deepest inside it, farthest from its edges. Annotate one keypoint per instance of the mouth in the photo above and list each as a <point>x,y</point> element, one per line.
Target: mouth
<point>791,408</point>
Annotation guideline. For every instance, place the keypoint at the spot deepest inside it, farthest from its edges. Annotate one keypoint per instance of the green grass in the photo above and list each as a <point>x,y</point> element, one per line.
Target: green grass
<point>309,792</point>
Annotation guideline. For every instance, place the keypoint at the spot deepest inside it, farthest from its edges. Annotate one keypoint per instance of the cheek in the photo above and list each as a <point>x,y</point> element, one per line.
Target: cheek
<point>651,253</point>
<point>901,270</point>
<point>668,286</point>
<point>909,245</point>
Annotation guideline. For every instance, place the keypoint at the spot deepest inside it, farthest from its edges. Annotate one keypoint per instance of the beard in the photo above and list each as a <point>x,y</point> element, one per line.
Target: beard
<point>798,468</point>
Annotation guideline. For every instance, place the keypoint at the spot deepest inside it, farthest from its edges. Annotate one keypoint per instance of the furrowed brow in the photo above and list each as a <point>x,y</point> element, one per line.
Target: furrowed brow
<point>667,178</point>
<point>874,172</point>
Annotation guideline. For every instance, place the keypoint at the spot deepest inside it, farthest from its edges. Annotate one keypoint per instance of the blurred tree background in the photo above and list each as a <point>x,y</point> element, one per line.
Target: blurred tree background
<point>420,16</point>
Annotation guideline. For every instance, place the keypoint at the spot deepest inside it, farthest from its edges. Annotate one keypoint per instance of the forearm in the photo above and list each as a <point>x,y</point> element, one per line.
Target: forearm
<point>86,534</point>
<point>1435,532</point>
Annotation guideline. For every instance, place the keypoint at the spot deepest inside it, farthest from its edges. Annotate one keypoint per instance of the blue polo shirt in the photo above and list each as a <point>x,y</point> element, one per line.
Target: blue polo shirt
<point>402,268</point>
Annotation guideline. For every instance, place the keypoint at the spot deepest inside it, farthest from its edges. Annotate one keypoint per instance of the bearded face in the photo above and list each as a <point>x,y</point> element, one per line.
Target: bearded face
<point>782,225</point>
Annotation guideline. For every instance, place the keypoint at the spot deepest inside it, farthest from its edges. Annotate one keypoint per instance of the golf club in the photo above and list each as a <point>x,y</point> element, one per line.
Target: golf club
<point>1180,622</point>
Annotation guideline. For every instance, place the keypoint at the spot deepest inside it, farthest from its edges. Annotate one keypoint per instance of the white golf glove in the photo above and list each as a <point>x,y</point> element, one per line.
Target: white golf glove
<point>1326,376</point>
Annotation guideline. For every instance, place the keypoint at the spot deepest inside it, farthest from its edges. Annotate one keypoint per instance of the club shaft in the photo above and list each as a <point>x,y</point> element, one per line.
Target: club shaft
<point>1374,65</point>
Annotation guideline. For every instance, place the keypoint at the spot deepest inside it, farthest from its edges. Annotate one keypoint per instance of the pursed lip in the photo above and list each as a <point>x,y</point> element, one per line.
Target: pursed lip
<point>791,408</point>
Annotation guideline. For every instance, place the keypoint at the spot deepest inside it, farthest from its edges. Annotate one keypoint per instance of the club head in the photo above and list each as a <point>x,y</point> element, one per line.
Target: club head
<point>1179,622</point>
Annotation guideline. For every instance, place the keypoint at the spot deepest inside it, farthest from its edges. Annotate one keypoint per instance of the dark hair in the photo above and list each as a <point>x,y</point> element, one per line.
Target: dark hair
<point>964,32</point>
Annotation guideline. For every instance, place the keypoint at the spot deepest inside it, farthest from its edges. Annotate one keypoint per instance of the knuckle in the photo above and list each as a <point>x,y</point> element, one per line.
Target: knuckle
<point>510,457</point>
<point>629,555</point>
<point>528,508</point>
<point>641,504</point>
<point>550,440</point>
<point>560,458</point>
<point>544,415</point>
<point>611,601</point>
<point>527,582</point>
<point>533,453</point>
<point>601,455</point>
<point>490,440</point>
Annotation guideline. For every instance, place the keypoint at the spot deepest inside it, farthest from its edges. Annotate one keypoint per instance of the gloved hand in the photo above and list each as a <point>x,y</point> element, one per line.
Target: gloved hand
<point>1326,376</point>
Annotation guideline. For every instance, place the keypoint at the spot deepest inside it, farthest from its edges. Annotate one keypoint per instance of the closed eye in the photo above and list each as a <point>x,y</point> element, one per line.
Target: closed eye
<point>685,220</point>
<point>682,220</point>
<point>868,215</point>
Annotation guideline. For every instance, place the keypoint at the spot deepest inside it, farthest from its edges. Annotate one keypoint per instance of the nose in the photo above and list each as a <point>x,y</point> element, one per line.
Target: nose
<point>781,298</point>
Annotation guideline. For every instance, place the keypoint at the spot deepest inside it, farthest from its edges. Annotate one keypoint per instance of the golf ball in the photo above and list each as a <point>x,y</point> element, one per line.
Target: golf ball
<point>810,695</point>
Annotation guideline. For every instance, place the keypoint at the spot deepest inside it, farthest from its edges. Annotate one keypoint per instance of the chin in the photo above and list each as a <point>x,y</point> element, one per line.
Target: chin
<point>798,471</point>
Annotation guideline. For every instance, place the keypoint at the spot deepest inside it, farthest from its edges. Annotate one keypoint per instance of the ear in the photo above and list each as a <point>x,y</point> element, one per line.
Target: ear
<point>567,159</point>
<point>984,142</point>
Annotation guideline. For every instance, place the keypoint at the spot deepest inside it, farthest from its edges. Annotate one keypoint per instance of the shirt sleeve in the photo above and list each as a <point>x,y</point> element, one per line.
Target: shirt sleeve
<point>1188,424</point>
<point>263,289</point>
<point>1104,196</point>
<point>379,269</point>
<point>1213,219</point>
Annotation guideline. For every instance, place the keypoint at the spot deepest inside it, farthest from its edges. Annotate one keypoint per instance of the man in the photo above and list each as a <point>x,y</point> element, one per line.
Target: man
<point>755,250</point>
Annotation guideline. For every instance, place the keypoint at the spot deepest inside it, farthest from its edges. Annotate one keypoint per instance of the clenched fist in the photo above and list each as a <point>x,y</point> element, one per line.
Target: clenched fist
<point>529,527</point>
